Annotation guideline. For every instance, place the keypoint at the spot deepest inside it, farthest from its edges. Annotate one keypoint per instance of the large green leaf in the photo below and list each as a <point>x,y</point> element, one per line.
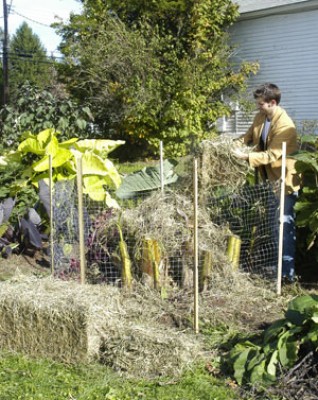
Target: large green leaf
<point>52,146</point>
<point>301,308</point>
<point>92,182</point>
<point>304,210</point>
<point>309,139</point>
<point>315,316</point>
<point>288,347</point>
<point>313,222</point>
<point>98,146</point>
<point>274,330</point>
<point>312,335</point>
<point>240,365</point>
<point>31,145</point>
<point>94,186</point>
<point>45,137</point>
<point>114,180</point>
<point>146,180</point>
<point>110,202</point>
<point>60,158</point>
<point>307,158</point>
<point>92,164</point>
<point>69,142</point>
<point>272,365</point>
<point>258,372</point>
<point>305,205</point>
<point>42,165</point>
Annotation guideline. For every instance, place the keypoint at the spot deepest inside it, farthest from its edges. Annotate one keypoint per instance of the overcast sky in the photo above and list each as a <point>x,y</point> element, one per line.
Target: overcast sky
<point>39,14</point>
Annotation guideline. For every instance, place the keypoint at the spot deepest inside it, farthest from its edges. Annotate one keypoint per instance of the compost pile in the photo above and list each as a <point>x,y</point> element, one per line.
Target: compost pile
<point>169,218</point>
<point>159,235</point>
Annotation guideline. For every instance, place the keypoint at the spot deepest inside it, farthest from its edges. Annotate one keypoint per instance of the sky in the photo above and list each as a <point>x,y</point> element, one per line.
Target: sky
<point>39,14</point>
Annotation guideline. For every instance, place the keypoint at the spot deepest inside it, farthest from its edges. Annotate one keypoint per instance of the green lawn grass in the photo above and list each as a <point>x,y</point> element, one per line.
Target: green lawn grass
<point>27,379</point>
<point>126,168</point>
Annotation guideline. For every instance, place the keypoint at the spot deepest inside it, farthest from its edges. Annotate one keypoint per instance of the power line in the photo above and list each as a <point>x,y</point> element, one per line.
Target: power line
<point>29,57</point>
<point>31,19</point>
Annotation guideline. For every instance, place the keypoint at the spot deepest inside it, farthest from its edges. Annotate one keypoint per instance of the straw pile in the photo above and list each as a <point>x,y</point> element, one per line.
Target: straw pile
<point>218,166</point>
<point>168,218</point>
<point>137,333</point>
<point>75,323</point>
<point>53,318</point>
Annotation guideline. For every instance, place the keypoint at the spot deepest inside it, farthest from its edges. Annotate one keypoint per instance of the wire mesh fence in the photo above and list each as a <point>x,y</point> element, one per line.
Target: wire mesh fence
<point>251,214</point>
<point>151,238</point>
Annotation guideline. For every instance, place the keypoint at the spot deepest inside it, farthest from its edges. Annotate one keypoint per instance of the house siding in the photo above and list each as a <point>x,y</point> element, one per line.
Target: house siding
<point>286,46</point>
<point>250,6</point>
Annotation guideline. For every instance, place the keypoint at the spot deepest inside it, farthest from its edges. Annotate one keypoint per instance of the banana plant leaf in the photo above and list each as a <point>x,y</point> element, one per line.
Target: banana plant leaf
<point>146,180</point>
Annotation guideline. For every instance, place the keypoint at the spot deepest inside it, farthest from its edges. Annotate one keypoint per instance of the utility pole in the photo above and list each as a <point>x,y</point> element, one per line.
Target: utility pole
<point>5,55</point>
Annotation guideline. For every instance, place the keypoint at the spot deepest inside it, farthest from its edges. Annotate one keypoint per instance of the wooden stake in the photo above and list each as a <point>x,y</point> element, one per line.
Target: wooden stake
<point>51,213</point>
<point>79,176</point>
<point>196,252</point>
<point>161,167</point>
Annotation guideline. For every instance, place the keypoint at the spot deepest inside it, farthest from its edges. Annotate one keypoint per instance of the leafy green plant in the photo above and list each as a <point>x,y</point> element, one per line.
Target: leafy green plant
<point>281,345</point>
<point>98,171</point>
<point>36,109</point>
<point>32,162</point>
<point>306,206</point>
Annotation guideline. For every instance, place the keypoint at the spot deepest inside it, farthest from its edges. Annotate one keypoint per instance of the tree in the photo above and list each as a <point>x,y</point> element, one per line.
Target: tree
<point>153,70</point>
<point>28,61</point>
<point>36,110</point>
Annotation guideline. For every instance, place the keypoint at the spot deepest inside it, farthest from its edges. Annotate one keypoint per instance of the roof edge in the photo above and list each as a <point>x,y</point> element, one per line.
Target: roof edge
<point>304,6</point>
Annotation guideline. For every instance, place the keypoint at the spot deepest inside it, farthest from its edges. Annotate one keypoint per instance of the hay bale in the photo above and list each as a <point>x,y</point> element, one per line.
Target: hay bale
<point>54,319</point>
<point>136,332</point>
<point>73,323</point>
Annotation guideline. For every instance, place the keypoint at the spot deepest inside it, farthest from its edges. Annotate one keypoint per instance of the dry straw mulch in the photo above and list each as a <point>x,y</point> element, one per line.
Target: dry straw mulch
<point>219,168</point>
<point>138,332</point>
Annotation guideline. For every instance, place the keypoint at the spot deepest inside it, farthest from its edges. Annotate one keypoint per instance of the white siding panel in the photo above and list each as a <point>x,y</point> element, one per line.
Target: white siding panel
<point>286,46</point>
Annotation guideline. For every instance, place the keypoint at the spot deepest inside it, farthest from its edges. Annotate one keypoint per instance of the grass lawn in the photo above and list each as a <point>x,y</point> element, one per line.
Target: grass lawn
<point>23,378</point>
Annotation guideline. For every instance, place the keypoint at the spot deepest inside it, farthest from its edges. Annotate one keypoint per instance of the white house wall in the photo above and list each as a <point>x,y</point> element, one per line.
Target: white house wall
<point>286,46</point>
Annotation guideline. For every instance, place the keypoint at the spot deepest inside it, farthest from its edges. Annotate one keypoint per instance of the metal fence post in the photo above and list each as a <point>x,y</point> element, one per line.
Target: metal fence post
<point>281,221</point>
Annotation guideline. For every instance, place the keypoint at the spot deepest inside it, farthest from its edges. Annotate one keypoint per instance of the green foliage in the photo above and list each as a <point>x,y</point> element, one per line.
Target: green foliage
<point>306,206</point>
<point>281,345</point>
<point>28,61</point>
<point>153,70</point>
<point>13,184</point>
<point>98,171</point>
<point>126,168</point>
<point>35,110</point>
